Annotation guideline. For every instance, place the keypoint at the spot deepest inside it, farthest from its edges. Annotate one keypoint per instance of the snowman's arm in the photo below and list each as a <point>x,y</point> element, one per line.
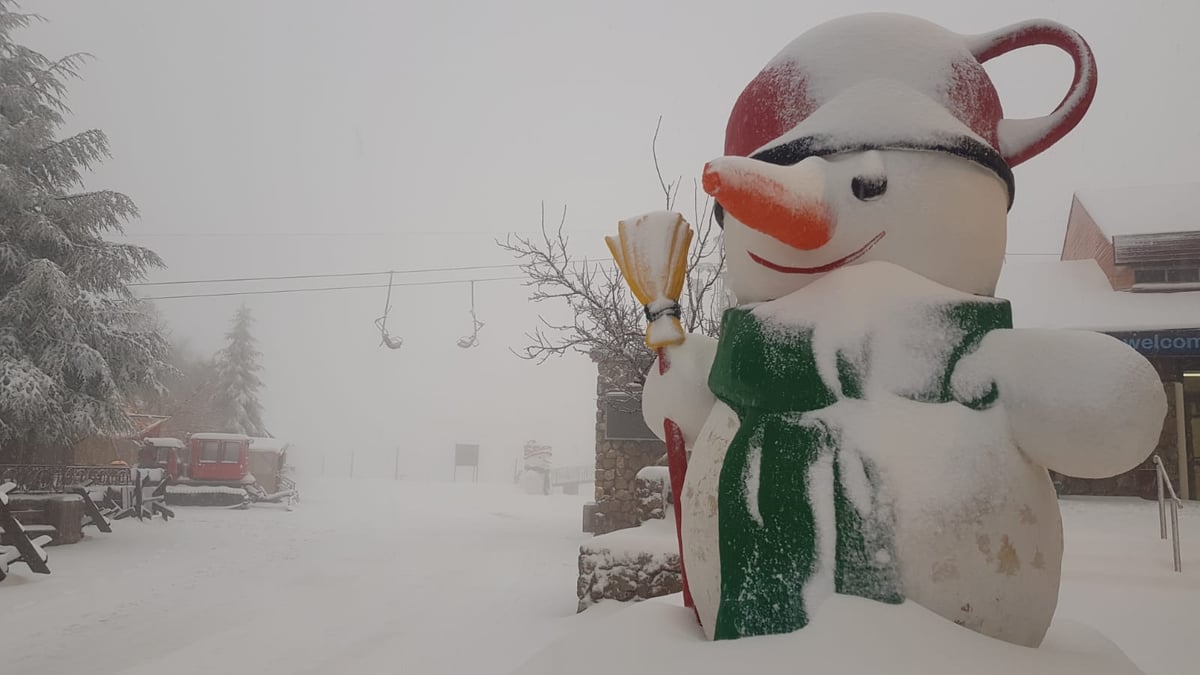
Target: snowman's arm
<point>1079,403</point>
<point>681,394</point>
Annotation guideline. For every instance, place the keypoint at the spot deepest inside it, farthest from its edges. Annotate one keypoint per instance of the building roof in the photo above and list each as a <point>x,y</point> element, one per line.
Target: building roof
<point>221,437</point>
<point>1077,294</point>
<point>1150,209</point>
<point>144,424</point>
<point>275,445</point>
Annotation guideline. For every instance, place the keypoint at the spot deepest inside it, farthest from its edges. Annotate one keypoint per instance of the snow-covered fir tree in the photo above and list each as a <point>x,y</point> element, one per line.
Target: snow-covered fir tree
<point>237,379</point>
<point>73,340</point>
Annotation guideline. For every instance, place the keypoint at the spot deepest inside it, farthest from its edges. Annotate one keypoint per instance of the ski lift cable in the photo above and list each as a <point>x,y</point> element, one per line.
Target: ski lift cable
<point>327,288</point>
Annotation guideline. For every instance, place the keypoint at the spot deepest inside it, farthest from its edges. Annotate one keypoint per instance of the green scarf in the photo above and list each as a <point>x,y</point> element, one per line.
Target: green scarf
<point>769,539</point>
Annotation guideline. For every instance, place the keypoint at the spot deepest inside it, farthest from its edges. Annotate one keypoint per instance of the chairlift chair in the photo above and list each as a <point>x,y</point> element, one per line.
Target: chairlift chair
<point>472,340</point>
<point>387,340</point>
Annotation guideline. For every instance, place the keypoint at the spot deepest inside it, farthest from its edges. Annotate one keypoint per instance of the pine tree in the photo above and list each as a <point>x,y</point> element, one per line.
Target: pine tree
<point>237,379</point>
<point>73,340</point>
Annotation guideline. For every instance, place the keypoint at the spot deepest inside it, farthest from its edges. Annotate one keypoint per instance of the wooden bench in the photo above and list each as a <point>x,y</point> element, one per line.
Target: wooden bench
<point>7,538</point>
<point>92,515</point>
<point>149,500</point>
<point>23,548</point>
<point>64,511</point>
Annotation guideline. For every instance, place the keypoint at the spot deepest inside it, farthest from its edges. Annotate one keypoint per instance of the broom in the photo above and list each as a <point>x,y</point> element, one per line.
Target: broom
<point>651,252</point>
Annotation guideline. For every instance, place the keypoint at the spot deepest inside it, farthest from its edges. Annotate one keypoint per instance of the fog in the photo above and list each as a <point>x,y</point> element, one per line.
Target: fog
<point>297,137</point>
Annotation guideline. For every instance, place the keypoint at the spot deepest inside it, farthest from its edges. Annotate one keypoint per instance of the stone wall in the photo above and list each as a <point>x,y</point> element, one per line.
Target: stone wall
<point>617,465</point>
<point>653,490</point>
<point>635,563</point>
<point>629,565</point>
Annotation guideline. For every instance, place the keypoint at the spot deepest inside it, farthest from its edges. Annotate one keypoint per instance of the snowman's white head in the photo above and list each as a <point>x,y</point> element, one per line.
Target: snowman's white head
<point>936,213</point>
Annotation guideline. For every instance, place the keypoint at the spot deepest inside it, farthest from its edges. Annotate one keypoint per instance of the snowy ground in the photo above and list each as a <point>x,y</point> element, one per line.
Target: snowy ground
<point>388,583</point>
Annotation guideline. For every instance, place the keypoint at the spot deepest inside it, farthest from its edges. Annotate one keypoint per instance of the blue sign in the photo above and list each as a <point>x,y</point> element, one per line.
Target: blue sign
<point>1163,342</point>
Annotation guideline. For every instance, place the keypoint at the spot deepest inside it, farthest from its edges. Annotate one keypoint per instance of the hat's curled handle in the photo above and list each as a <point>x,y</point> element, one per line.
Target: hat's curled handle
<point>1021,139</point>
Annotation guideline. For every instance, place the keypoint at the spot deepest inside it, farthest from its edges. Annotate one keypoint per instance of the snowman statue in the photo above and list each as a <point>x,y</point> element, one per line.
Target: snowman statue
<point>868,422</point>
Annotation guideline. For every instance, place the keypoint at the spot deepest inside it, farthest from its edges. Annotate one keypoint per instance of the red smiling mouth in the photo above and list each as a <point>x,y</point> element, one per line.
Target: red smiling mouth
<point>820,268</point>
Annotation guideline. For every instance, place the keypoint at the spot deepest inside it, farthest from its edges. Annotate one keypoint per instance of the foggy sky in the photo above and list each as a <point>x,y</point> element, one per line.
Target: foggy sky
<point>444,124</point>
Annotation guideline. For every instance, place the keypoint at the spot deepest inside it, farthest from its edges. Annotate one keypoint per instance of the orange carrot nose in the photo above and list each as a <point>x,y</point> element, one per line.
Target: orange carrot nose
<point>745,190</point>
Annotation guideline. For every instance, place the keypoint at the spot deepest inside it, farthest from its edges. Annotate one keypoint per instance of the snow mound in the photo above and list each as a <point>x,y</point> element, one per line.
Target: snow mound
<point>653,537</point>
<point>850,636</point>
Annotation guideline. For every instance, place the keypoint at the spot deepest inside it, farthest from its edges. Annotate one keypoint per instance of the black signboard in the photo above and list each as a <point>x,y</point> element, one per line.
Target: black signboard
<point>623,419</point>
<point>466,455</point>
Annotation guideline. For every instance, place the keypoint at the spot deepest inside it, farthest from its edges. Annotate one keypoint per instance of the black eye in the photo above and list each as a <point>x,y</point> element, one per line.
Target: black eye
<point>867,188</point>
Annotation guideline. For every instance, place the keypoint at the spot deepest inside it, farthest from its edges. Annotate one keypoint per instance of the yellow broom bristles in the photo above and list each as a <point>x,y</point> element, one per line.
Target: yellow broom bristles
<point>651,252</point>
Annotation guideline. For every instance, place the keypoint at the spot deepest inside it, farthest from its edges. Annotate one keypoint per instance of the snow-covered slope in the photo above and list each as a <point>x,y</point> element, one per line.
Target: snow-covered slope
<point>410,579</point>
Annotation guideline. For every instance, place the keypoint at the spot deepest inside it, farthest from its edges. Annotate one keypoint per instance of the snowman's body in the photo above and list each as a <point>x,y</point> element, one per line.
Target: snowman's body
<point>990,563</point>
<point>976,530</point>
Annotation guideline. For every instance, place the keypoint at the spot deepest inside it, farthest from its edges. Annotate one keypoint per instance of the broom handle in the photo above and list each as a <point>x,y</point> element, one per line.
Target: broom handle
<point>676,469</point>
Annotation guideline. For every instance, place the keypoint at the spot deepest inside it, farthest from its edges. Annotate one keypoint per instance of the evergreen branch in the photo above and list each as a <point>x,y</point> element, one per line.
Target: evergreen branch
<point>57,165</point>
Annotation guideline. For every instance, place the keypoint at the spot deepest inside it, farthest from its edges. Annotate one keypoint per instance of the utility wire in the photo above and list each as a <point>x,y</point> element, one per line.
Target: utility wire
<point>408,233</point>
<point>291,277</point>
<point>328,288</point>
<point>325,276</point>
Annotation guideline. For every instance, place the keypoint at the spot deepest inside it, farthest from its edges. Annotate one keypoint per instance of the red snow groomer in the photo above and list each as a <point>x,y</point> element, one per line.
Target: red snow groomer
<point>168,454</point>
<point>219,459</point>
<point>256,465</point>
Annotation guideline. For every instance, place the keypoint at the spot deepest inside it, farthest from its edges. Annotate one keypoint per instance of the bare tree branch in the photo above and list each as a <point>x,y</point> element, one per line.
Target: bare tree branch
<point>608,324</point>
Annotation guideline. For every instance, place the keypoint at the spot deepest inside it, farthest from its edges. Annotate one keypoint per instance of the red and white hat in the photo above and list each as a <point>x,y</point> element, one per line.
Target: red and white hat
<point>888,81</point>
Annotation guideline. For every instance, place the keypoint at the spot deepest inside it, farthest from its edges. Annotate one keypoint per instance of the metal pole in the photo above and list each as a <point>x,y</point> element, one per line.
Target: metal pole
<point>322,465</point>
<point>1175,535</point>
<point>352,464</point>
<point>1162,504</point>
<point>397,472</point>
<point>1181,441</point>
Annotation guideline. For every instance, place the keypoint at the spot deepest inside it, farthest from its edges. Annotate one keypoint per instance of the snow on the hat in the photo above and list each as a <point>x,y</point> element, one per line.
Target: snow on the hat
<point>913,54</point>
<point>881,113</point>
<point>841,53</point>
